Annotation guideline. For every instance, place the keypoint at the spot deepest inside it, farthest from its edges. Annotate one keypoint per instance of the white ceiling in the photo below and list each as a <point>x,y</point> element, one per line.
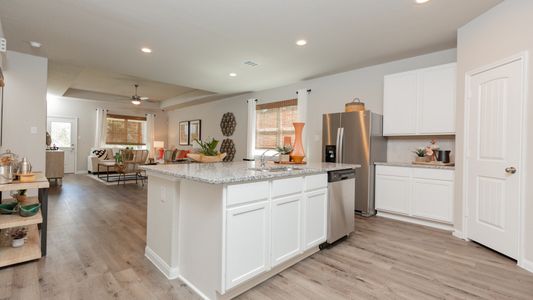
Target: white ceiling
<point>197,43</point>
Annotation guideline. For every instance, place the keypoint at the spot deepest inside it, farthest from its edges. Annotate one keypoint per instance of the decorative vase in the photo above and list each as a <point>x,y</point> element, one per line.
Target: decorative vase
<point>421,159</point>
<point>298,154</point>
<point>16,243</point>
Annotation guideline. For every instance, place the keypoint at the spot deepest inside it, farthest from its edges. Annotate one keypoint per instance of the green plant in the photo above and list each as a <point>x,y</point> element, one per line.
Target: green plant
<point>284,150</point>
<point>420,152</point>
<point>19,233</point>
<point>208,148</point>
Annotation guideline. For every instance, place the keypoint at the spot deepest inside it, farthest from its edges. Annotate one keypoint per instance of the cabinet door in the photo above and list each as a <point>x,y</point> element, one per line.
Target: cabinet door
<point>433,199</point>
<point>315,218</point>
<point>392,193</point>
<point>247,242</point>
<point>286,228</point>
<point>436,104</point>
<point>400,104</point>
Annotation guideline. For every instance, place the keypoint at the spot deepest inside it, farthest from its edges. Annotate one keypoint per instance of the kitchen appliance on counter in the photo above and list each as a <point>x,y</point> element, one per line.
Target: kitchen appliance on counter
<point>356,138</point>
<point>341,193</point>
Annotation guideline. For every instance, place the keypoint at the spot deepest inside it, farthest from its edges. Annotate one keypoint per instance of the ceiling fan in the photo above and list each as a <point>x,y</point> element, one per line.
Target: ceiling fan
<point>136,99</point>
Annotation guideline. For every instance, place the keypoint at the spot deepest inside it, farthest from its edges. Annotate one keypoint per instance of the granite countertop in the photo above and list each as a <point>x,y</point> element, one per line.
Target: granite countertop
<point>235,172</point>
<point>411,165</point>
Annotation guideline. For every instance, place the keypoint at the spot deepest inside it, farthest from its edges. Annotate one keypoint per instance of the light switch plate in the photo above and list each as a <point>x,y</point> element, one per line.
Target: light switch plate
<point>33,130</point>
<point>3,45</point>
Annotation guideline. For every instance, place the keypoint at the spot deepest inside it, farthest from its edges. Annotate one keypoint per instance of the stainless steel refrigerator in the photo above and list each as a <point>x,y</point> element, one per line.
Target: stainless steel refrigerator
<point>356,138</point>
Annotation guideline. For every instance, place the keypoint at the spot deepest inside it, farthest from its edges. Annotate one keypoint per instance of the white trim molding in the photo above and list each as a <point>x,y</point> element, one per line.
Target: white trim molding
<point>169,272</point>
<point>526,264</point>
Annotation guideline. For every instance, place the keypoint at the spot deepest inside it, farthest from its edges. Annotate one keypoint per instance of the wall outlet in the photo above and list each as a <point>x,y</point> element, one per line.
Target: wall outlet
<point>3,45</point>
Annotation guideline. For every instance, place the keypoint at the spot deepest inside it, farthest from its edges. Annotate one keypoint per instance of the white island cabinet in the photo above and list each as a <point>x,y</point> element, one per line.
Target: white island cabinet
<point>224,228</point>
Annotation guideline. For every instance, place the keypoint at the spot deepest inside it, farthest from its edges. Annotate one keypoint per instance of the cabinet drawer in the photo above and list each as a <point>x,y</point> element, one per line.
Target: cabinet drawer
<point>393,171</point>
<point>436,174</point>
<point>315,182</point>
<point>287,186</point>
<point>247,192</point>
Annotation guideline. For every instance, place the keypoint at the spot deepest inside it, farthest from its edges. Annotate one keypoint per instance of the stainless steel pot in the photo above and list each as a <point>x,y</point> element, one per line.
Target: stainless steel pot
<point>24,167</point>
<point>7,174</point>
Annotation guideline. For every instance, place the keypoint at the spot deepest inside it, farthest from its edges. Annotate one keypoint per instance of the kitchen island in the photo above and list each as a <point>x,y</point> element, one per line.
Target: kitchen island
<point>223,228</point>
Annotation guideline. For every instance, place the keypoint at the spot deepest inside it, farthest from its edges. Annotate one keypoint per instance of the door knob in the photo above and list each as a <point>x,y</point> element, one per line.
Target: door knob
<point>510,170</point>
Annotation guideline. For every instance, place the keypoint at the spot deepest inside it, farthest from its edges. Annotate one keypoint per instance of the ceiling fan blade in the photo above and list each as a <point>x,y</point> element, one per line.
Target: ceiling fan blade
<point>144,98</point>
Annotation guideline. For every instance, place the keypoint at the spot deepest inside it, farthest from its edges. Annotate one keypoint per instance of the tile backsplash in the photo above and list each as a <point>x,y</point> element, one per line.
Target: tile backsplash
<point>400,149</point>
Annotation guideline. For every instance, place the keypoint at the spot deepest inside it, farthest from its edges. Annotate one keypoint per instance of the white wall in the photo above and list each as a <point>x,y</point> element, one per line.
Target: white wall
<point>503,31</point>
<point>85,111</point>
<point>25,107</point>
<point>329,94</point>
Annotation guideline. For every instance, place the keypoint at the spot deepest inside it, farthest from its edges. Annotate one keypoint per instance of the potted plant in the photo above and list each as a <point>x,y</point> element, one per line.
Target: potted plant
<point>20,196</point>
<point>284,153</point>
<point>420,154</point>
<point>208,152</point>
<point>18,236</point>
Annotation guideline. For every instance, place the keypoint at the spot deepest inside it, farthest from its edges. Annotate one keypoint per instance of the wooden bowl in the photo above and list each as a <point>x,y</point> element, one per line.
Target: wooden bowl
<point>206,159</point>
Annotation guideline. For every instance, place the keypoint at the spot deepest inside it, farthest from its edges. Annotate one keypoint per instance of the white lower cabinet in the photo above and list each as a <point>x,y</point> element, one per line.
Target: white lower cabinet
<point>286,228</point>
<point>247,242</point>
<point>315,221</point>
<point>262,234</point>
<point>418,193</point>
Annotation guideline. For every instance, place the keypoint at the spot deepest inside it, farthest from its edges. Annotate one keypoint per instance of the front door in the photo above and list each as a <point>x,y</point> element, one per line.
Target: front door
<point>493,156</point>
<point>64,133</point>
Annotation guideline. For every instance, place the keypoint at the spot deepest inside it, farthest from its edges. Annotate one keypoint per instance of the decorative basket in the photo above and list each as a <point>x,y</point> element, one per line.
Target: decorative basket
<point>206,159</point>
<point>355,105</point>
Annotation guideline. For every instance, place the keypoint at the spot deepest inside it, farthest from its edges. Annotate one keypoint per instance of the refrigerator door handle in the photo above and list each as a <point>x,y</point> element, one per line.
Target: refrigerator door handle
<point>340,146</point>
<point>337,145</point>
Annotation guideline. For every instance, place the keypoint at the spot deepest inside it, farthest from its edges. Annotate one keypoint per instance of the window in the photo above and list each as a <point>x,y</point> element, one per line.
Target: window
<point>125,130</point>
<point>274,122</point>
<point>61,133</point>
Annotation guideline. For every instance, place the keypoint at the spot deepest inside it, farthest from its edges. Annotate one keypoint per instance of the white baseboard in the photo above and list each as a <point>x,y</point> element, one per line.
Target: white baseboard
<point>459,234</point>
<point>526,265</point>
<point>169,272</point>
<point>429,223</point>
<point>195,289</point>
<point>82,172</point>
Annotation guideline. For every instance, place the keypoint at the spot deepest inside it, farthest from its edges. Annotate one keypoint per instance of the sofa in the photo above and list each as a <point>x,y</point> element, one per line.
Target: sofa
<point>97,155</point>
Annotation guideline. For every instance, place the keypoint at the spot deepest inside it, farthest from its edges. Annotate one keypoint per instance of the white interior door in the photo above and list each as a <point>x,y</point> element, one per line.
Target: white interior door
<point>64,133</point>
<point>493,157</point>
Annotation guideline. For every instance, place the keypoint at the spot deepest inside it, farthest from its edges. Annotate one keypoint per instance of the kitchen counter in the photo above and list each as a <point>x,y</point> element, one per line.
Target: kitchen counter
<point>237,172</point>
<point>223,228</point>
<point>411,165</point>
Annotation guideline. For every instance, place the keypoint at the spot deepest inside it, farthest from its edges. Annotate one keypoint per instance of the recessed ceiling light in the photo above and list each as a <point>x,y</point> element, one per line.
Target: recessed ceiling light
<point>233,74</point>
<point>421,1</point>
<point>146,50</point>
<point>35,44</point>
<point>301,42</point>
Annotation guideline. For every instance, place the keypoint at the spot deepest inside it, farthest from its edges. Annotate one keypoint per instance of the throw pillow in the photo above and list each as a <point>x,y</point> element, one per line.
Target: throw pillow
<point>100,152</point>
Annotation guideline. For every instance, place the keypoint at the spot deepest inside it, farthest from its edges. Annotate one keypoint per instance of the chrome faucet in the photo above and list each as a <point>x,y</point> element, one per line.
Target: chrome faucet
<point>263,162</point>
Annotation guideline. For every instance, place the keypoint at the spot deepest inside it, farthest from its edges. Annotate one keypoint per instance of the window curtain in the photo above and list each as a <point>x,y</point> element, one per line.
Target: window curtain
<point>250,138</point>
<point>150,134</point>
<point>303,95</point>
<point>101,128</point>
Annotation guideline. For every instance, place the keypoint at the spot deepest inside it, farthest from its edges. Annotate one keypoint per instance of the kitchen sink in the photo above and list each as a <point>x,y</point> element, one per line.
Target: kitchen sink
<point>276,169</point>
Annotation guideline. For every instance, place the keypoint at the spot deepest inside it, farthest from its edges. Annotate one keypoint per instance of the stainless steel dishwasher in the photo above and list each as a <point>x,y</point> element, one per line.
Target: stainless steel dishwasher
<point>341,199</point>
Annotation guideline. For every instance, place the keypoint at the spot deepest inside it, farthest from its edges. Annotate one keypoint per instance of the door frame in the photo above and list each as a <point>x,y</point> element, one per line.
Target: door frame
<point>77,121</point>
<point>523,58</point>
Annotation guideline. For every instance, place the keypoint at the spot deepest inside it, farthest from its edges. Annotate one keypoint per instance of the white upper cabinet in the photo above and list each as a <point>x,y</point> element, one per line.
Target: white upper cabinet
<point>400,105</point>
<point>420,102</point>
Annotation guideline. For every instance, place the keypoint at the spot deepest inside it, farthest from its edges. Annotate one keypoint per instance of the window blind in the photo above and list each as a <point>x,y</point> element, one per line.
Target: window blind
<point>125,130</point>
<point>274,122</point>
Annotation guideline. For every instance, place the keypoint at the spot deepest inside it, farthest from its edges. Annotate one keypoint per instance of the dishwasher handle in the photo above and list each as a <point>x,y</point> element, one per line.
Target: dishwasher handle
<point>339,175</point>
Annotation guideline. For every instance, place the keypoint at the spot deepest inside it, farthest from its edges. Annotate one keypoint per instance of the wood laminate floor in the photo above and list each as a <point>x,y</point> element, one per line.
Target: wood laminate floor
<point>96,251</point>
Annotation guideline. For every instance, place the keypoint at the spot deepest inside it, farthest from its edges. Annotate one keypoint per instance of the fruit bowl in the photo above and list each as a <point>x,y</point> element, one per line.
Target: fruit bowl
<point>206,159</point>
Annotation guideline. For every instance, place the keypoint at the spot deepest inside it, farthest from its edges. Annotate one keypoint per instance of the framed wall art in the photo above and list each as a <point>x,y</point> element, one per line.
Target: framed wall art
<point>183,133</point>
<point>195,130</point>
